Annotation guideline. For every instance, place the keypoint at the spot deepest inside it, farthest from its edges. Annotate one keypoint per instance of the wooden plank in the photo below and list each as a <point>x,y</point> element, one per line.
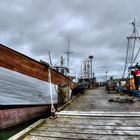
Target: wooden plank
<point>30,137</point>
<point>25,132</point>
<point>80,118</point>
<point>94,122</point>
<point>99,114</point>
<point>99,127</point>
<point>98,137</point>
<point>74,120</point>
<point>84,135</point>
<point>87,128</point>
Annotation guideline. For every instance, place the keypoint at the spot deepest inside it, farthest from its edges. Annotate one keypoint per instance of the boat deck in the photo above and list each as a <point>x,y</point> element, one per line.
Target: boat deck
<point>91,116</point>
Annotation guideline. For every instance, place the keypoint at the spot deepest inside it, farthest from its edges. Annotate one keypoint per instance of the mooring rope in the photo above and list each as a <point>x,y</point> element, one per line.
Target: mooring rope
<point>50,88</point>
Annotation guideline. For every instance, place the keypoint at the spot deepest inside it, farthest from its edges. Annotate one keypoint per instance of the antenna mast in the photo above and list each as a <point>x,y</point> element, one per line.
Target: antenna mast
<point>68,52</point>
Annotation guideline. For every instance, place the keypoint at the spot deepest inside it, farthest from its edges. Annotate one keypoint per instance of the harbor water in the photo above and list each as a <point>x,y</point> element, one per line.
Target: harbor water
<point>5,134</point>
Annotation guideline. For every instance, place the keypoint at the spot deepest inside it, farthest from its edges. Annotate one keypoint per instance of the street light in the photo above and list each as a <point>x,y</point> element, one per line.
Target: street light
<point>106,75</point>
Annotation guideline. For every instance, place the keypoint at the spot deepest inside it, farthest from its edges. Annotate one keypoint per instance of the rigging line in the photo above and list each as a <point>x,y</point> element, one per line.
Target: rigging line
<point>137,34</point>
<point>137,51</point>
<point>136,55</point>
<point>133,50</point>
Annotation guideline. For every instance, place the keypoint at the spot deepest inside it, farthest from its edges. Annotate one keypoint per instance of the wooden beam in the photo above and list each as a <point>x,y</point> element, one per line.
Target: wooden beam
<point>99,113</point>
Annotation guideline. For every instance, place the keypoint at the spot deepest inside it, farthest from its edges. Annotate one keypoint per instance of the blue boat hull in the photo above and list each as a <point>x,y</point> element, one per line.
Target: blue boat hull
<point>136,93</point>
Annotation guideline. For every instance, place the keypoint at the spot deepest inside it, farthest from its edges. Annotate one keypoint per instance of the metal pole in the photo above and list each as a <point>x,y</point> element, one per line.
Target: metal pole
<point>106,75</point>
<point>91,68</point>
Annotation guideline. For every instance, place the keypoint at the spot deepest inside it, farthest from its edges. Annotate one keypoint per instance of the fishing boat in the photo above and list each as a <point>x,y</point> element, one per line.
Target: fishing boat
<point>87,77</point>
<point>28,88</point>
<point>132,68</point>
<point>134,82</point>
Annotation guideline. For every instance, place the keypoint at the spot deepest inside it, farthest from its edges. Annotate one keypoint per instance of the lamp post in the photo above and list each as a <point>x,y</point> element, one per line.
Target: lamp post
<point>106,75</point>
<point>90,58</point>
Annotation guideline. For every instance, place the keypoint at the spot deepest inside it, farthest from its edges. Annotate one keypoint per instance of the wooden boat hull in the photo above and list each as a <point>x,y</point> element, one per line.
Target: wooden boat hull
<point>16,61</point>
<point>22,98</point>
<point>24,88</point>
<point>19,89</point>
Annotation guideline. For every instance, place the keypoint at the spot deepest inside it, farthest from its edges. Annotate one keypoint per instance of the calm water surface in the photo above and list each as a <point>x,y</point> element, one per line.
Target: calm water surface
<point>5,134</point>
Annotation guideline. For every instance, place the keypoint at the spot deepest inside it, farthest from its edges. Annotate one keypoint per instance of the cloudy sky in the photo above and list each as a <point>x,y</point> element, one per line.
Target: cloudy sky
<point>95,27</point>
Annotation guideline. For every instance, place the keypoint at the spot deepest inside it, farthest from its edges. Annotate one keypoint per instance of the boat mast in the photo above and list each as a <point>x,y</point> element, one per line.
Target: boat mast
<point>50,58</point>
<point>132,53</point>
<point>68,52</point>
<point>62,61</point>
<point>86,69</point>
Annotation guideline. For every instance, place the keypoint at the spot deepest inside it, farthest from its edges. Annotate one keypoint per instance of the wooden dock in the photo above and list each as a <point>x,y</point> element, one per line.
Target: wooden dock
<point>91,117</point>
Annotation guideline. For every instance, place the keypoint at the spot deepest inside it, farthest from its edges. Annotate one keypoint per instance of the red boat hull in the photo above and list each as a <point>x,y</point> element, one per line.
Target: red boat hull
<point>15,116</point>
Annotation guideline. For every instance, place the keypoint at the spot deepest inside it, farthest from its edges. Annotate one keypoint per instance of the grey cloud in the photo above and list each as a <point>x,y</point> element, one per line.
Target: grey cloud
<point>95,27</point>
